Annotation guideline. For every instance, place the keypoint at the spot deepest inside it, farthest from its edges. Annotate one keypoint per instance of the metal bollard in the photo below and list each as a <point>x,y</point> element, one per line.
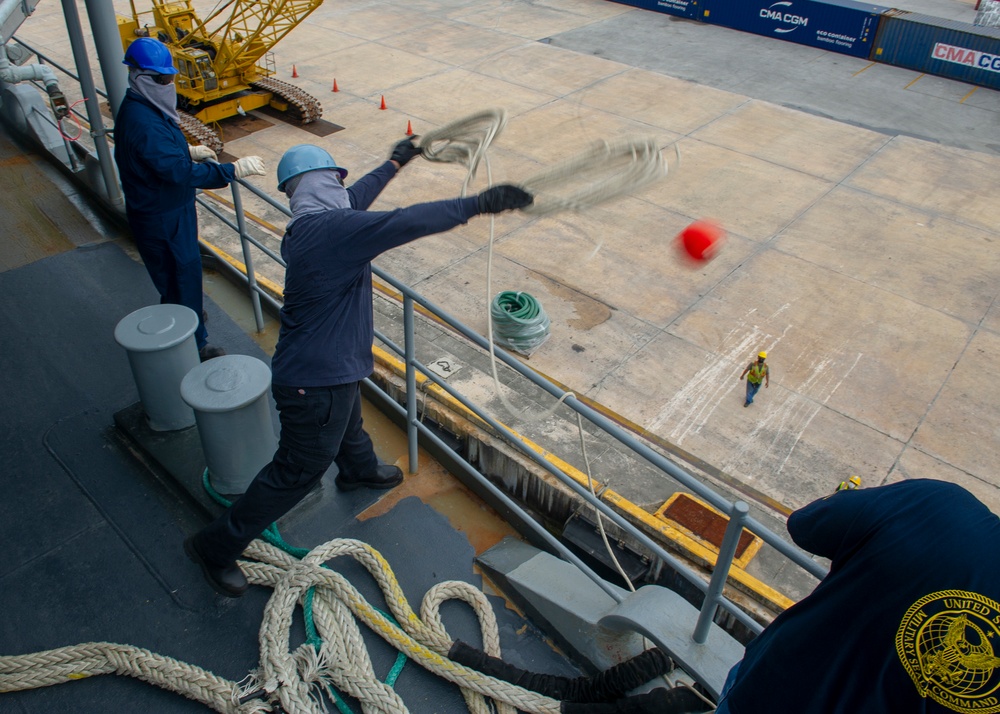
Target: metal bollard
<point>229,398</point>
<point>161,349</point>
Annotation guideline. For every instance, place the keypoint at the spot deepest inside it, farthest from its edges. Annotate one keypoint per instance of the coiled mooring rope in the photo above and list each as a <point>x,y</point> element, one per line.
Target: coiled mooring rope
<point>520,322</point>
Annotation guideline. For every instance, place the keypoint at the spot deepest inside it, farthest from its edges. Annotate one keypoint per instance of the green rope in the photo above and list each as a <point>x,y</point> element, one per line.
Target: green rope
<point>519,322</point>
<point>272,536</point>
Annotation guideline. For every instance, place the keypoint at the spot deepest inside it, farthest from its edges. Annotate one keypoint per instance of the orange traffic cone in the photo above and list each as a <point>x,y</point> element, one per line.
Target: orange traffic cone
<point>383,102</point>
<point>295,72</point>
<point>335,85</point>
<point>409,128</point>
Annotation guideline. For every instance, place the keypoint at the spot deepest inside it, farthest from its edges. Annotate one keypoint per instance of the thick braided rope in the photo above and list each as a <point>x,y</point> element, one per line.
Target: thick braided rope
<point>430,613</point>
<point>291,587</point>
<point>344,657</point>
<point>42,669</point>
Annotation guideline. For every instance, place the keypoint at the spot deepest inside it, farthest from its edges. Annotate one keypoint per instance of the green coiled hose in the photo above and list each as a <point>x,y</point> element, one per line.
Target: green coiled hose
<point>519,322</point>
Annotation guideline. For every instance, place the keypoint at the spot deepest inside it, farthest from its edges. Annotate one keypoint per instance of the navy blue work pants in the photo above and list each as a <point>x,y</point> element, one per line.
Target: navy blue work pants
<point>319,425</point>
<point>168,244</point>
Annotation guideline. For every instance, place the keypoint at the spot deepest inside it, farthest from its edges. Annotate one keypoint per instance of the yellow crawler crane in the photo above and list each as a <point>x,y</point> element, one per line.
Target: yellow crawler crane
<point>219,59</point>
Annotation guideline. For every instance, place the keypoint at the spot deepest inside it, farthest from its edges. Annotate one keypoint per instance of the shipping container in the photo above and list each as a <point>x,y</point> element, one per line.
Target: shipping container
<point>681,8</point>
<point>843,26</point>
<point>947,48</point>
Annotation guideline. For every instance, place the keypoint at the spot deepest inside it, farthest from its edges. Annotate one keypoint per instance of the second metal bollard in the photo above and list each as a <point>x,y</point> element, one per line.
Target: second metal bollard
<point>229,398</point>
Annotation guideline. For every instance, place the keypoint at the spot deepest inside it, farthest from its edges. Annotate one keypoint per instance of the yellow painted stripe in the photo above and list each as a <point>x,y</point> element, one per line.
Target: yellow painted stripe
<point>864,69</point>
<point>269,285</point>
<point>913,82</point>
<point>256,219</point>
<point>968,94</point>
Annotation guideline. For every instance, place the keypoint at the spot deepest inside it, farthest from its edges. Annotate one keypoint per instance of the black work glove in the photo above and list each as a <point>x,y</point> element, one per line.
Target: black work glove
<point>404,151</point>
<point>504,197</point>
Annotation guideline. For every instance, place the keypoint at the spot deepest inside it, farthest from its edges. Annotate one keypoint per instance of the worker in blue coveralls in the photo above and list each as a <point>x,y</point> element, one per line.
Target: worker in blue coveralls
<point>159,173</point>
<point>324,347</point>
<point>906,622</point>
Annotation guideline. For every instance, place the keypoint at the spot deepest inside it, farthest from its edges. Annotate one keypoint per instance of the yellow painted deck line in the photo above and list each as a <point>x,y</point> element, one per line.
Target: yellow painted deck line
<point>968,94</point>
<point>268,285</point>
<point>864,69</point>
<point>256,219</point>
<point>914,81</point>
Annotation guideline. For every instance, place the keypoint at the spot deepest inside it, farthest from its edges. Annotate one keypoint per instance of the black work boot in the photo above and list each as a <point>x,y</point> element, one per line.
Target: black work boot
<point>210,352</point>
<point>226,580</point>
<point>385,476</point>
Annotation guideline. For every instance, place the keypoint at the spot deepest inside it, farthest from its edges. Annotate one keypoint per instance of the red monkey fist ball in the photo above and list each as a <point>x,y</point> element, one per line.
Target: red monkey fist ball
<point>700,241</point>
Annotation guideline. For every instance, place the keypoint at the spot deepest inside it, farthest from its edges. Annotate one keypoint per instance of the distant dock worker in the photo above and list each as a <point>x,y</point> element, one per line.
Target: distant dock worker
<point>159,174</point>
<point>756,372</point>
<point>850,484</point>
<point>324,347</point>
<point>906,622</point>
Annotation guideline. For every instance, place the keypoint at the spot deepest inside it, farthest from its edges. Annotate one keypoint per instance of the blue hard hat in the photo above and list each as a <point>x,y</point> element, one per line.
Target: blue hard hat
<point>150,54</point>
<point>302,158</point>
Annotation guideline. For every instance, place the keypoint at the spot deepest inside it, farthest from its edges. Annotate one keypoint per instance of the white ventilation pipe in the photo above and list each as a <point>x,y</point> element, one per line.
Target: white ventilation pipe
<point>12,74</point>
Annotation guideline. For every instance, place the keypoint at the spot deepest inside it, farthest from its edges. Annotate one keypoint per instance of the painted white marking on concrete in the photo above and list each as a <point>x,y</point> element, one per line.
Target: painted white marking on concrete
<point>695,403</point>
<point>786,421</point>
<point>444,367</point>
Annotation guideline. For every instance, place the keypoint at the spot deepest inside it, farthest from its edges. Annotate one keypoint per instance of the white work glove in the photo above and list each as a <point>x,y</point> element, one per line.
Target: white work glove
<point>201,153</point>
<point>249,166</point>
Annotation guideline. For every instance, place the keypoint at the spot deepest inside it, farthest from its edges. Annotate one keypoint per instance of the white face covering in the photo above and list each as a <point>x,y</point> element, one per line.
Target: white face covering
<point>316,191</point>
<point>161,96</point>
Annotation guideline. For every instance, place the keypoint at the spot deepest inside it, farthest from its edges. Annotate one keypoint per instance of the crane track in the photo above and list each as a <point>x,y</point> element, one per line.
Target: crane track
<point>303,106</point>
<point>194,129</point>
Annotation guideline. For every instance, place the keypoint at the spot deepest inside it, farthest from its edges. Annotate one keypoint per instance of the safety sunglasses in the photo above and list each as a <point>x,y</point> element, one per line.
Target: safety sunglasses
<point>163,79</point>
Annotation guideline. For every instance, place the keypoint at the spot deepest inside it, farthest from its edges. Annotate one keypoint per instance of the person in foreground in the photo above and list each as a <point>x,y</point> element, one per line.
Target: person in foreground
<point>324,347</point>
<point>906,622</point>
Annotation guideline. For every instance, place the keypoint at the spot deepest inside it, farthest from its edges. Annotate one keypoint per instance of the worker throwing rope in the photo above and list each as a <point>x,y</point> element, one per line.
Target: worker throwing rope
<point>324,347</point>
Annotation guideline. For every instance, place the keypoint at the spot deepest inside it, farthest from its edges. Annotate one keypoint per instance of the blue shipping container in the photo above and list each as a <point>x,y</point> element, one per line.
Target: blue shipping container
<point>682,8</point>
<point>843,26</point>
<point>947,48</point>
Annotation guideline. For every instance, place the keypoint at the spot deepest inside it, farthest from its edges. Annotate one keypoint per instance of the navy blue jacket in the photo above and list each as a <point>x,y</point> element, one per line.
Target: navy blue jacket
<point>326,322</point>
<point>154,164</point>
<point>907,621</point>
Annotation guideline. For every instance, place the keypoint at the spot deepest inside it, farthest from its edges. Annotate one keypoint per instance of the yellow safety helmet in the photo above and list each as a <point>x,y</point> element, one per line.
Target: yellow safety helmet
<point>762,355</point>
<point>851,484</point>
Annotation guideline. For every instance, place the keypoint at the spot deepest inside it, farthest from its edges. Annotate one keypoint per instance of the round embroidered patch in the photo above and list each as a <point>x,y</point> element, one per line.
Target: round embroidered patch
<point>948,642</point>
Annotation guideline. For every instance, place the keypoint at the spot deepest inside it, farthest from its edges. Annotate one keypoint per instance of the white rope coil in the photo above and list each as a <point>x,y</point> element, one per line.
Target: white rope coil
<point>604,172</point>
<point>464,141</point>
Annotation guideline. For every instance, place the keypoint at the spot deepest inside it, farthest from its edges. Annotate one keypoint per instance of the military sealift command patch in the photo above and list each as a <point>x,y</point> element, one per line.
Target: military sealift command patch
<point>948,641</point>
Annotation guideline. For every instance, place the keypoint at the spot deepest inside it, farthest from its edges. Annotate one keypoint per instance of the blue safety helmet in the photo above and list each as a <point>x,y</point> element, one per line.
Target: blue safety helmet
<point>302,158</point>
<point>150,54</point>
